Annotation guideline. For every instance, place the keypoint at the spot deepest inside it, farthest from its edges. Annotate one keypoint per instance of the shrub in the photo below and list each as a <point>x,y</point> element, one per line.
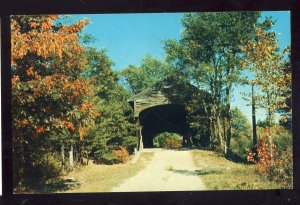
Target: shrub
<point>168,140</point>
<point>41,171</point>
<point>240,147</point>
<point>282,139</point>
<point>121,154</point>
<point>172,144</point>
<point>105,157</point>
<point>276,166</point>
<point>130,143</point>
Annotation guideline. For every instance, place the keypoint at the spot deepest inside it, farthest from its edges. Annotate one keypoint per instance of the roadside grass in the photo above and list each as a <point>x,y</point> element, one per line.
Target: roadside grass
<point>101,178</point>
<point>218,173</point>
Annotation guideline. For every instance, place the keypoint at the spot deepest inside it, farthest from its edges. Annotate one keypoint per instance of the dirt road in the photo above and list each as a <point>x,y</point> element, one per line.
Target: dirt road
<point>169,170</point>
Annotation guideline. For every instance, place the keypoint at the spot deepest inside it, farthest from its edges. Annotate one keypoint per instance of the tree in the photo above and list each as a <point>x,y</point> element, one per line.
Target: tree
<point>113,127</point>
<point>151,70</point>
<point>48,92</point>
<point>209,52</point>
<point>286,111</point>
<point>240,123</point>
<point>272,77</point>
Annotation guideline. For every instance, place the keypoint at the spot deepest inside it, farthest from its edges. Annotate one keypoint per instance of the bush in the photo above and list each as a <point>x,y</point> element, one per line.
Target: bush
<point>121,154</point>
<point>130,143</point>
<point>168,140</point>
<point>172,144</point>
<point>271,163</point>
<point>240,148</point>
<point>282,138</point>
<point>105,157</point>
<point>41,171</point>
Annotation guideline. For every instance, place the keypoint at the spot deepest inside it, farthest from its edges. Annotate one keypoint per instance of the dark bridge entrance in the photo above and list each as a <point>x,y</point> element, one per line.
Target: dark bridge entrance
<point>162,118</point>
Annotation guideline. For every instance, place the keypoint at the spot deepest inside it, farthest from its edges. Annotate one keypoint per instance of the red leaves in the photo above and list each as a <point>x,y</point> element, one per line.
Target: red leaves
<point>268,160</point>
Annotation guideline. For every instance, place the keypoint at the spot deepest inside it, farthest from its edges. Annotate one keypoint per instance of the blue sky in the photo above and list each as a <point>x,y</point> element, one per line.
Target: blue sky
<point>129,37</point>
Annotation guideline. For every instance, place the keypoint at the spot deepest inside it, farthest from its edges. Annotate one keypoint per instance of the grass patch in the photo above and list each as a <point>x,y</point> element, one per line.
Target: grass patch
<point>218,173</point>
<point>99,178</point>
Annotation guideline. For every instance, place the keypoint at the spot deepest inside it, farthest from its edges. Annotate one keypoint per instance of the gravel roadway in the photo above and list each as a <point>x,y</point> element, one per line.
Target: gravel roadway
<point>168,170</point>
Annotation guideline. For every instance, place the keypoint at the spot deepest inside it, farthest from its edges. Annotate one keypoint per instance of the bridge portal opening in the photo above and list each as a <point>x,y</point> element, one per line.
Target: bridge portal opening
<point>162,118</point>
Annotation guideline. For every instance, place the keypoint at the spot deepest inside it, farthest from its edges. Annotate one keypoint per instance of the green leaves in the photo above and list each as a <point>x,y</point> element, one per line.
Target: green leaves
<point>151,70</point>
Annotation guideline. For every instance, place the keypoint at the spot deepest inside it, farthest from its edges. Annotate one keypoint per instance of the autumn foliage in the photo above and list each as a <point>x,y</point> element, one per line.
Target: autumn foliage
<point>46,66</point>
<point>50,96</point>
<point>272,76</point>
<point>272,163</point>
<point>121,154</point>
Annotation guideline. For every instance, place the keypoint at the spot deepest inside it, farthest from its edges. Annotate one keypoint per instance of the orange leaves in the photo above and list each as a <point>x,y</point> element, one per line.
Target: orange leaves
<point>25,122</point>
<point>53,16</point>
<point>70,126</point>
<point>122,154</point>
<point>42,40</point>
<point>75,28</point>
<point>47,87</point>
<point>45,26</point>
<point>33,25</point>
<point>30,72</point>
<point>86,107</point>
<point>39,130</point>
<point>82,132</point>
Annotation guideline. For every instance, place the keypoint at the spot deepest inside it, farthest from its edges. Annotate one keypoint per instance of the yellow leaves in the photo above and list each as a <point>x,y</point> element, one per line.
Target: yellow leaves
<point>30,72</point>
<point>244,64</point>
<point>15,79</point>
<point>85,106</point>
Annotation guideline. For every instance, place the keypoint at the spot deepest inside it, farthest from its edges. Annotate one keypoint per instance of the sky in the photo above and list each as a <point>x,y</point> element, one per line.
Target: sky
<point>129,37</point>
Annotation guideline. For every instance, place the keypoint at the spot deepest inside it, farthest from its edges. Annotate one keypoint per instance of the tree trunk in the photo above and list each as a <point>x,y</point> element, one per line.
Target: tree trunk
<point>219,130</point>
<point>71,157</point>
<point>254,134</point>
<point>63,162</point>
<point>254,118</point>
<point>228,120</point>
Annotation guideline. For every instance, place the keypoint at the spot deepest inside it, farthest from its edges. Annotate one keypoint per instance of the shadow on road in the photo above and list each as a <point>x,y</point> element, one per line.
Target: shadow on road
<point>197,172</point>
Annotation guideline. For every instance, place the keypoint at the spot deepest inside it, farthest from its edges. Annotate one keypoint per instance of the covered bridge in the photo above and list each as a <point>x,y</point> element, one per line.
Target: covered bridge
<point>161,108</point>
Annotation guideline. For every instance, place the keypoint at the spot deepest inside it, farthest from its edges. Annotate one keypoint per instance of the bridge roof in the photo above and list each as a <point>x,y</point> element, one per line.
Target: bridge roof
<point>148,98</point>
<point>155,94</point>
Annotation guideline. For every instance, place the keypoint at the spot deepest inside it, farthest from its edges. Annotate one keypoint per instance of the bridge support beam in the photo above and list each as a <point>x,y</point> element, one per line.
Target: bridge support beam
<point>139,134</point>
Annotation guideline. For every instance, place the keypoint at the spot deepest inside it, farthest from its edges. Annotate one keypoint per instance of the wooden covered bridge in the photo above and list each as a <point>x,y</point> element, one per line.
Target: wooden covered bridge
<point>160,108</point>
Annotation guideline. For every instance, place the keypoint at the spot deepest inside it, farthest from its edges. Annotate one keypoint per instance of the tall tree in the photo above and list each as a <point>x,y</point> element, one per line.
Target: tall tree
<point>113,127</point>
<point>209,51</point>
<point>272,77</point>
<point>48,92</point>
<point>151,70</point>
